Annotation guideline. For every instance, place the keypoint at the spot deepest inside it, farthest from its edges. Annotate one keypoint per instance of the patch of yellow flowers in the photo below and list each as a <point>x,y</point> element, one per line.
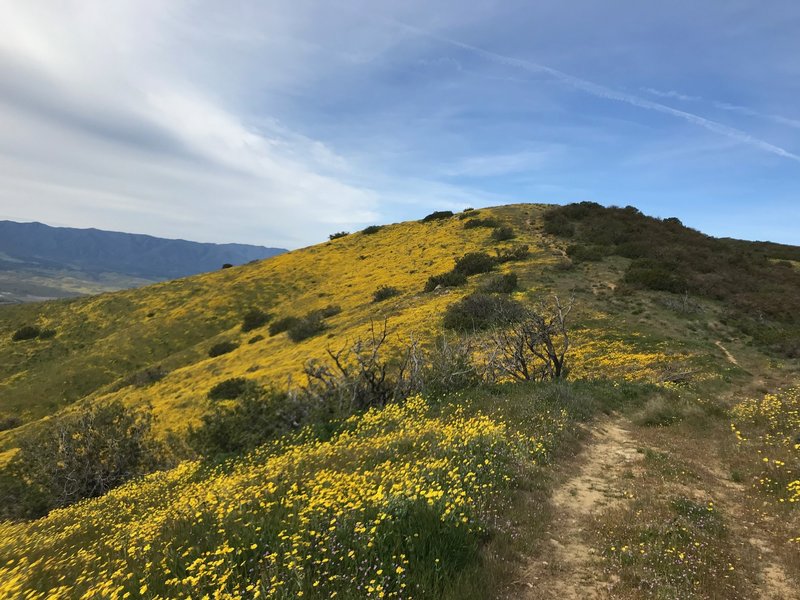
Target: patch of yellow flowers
<point>770,426</point>
<point>383,509</point>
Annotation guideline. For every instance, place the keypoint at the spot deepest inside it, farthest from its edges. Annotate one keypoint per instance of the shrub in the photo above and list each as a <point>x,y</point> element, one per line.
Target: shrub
<point>514,253</point>
<point>80,454</point>
<point>145,376</point>
<point>255,338</point>
<point>282,324</point>
<point>221,348</point>
<point>438,215</point>
<point>449,367</point>
<point>468,213</point>
<point>475,223</point>
<point>338,234</point>
<point>384,293</point>
<point>502,233</point>
<point>371,229</point>
<point>582,253</point>
<point>329,311</point>
<point>449,279</point>
<point>254,319</point>
<point>26,332</point>
<point>229,389</point>
<point>655,276</point>
<point>9,422</point>
<point>227,266</point>
<point>500,284</point>
<point>310,325</point>
<point>660,412</point>
<point>258,416</point>
<point>558,224</point>
<point>481,311</point>
<point>474,263</point>
<point>47,334</point>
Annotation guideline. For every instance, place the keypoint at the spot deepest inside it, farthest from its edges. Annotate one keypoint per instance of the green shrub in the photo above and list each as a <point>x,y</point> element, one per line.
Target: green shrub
<point>79,454</point>
<point>502,233</point>
<point>255,318</point>
<point>558,224</point>
<point>384,293</point>
<point>282,324</point>
<point>310,325</point>
<point>229,389</point>
<point>221,348</point>
<point>475,223</point>
<point>258,416</point>
<point>481,311</point>
<point>47,334</point>
<point>371,229</point>
<point>520,252</point>
<point>655,276</point>
<point>500,284</point>
<point>9,422</point>
<point>449,279</point>
<point>145,376</point>
<point>474,263</point>
<point>329,311</point>
<point>255,338</point>
<point>468,213</point>
<point>582,253</point>
<point>438,215</point>
<point>26,332</point>
<point>338,234</point>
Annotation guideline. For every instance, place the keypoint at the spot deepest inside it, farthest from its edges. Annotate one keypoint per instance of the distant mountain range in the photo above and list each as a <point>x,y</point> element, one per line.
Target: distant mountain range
<point>38,261</point>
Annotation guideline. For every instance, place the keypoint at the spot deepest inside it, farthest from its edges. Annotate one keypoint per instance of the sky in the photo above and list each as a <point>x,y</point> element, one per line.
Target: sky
<point>279,122</point>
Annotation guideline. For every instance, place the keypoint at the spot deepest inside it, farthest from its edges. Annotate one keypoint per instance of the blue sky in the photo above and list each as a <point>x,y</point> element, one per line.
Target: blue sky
<point>279,122</point>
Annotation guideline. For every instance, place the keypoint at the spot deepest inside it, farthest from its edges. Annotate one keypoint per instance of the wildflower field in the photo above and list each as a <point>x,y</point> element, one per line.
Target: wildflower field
<point>395,505</point>
<point>767,429</point>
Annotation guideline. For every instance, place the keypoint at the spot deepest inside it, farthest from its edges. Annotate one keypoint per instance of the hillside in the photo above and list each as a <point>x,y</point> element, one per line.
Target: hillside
<point>39,262</point>
<point>460,490</point>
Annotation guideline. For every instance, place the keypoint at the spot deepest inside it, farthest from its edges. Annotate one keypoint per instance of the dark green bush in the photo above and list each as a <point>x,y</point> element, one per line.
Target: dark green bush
<point>308,326</point>
<point>221,348</point>
<point>475,223</point>
<point>514,253</point>
<point>26,332</point>
<point>371,229</point>
<point>255,338</point>
<point>282,324</point>
<point>557,224</point>
<point>582,253</point>
<point>47,334</point>
<point>329,311</point>
<point>481,311</point>
<point>255,318</point>
<point>474,263</point>
<point>500,284</point>
<point>502,233</point>
<point>146,376</point>
<point>449,279</point>
<point>384,293</point>
<point>256,417</point>
<point>438,215</point>
<point>80,454</point>
<point>655,276</point>
<point>9,422</point>
<point>338,234</point>
<point>230,389</point>
<point>468,213</point>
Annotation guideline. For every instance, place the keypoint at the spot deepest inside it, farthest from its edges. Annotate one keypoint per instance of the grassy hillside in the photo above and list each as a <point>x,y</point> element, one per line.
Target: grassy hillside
<point>441,496</point>
<point>103,340</point>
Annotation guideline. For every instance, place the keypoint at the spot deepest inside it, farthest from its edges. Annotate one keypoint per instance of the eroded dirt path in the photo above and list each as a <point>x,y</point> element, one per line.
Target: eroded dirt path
<point>604,475</point>
<point>568,567</point>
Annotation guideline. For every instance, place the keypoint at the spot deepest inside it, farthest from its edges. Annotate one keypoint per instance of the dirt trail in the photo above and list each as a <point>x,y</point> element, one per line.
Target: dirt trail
<point>568,567</point>
<point>730,357</point>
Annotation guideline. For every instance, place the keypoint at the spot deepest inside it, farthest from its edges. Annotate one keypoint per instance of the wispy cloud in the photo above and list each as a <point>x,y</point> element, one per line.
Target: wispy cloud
<point>494,165</point>
<point>742,110</point>
<point>601,91</point>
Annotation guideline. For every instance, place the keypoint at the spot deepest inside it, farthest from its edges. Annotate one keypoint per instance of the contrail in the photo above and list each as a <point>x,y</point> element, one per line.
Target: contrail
<point>601,91</point>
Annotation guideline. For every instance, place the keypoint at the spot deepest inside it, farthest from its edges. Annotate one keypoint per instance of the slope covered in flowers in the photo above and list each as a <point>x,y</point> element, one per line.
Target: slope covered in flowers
<point>393,506</point>
<point>104,343</point>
